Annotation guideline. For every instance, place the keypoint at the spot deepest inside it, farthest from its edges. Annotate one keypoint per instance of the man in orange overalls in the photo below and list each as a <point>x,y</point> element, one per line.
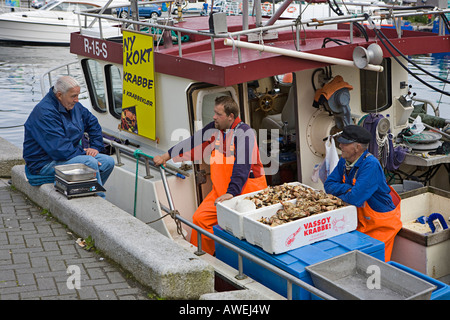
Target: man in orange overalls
<point>231,149</point>
<point>359,180</point>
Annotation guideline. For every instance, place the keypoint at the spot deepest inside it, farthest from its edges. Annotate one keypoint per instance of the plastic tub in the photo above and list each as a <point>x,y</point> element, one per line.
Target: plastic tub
<point>294,261</point>
<point>358,276</point>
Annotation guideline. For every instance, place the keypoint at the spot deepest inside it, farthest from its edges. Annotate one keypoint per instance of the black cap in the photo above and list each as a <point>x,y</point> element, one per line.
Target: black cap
<point>353,133</point>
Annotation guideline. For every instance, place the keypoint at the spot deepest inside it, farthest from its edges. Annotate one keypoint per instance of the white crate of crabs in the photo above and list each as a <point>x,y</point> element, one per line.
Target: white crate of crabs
<point>313,216</point>
<point>230,213</point>
<point>286,217</point>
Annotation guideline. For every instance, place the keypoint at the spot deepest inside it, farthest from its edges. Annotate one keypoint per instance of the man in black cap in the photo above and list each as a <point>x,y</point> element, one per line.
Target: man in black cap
<point>359,180</point>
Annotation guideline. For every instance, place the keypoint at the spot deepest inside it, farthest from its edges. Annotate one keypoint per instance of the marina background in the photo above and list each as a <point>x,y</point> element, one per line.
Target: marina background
<point>21,67</point>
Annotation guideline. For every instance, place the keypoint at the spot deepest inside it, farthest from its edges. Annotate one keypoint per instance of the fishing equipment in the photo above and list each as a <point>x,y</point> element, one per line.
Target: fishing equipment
<point>381,145</point>
<point>435,221</point>
<point>335,97</point>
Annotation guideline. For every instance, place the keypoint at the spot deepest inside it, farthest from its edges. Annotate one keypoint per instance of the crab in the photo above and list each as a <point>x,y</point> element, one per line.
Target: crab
<point>308,202</point>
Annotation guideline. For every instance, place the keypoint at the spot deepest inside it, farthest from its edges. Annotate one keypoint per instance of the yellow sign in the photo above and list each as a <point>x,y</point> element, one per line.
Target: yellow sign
<point>138,99</point>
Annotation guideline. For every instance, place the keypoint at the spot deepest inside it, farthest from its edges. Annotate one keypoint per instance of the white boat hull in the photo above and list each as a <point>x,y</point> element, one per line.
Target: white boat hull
<point>34,31</point>
<point>47,27</point>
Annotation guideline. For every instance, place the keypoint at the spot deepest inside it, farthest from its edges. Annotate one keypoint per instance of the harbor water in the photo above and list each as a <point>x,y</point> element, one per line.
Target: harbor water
<point>21,67</point>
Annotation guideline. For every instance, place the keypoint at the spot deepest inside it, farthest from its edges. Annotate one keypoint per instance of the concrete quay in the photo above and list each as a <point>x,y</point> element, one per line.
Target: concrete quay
<point>10,155</point>
<point>162,268</point>
<point>155,261</point>
<point>40,259</point>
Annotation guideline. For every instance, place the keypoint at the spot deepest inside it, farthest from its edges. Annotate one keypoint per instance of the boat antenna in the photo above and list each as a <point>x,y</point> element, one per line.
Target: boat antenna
<point>378,32</point>
<point>410,61</point>
<point>440,98</point>
<point>339,12</point>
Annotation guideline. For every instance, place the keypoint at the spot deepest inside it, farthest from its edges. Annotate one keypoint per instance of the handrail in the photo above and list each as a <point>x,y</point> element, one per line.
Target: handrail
<point>381,15</point>
<point>315,22</point>
<point>138,153</point>
<point>241,253</point>
<point>428,102</point>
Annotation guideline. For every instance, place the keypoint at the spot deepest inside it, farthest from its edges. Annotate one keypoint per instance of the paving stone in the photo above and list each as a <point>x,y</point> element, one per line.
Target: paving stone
<point>36,253</point>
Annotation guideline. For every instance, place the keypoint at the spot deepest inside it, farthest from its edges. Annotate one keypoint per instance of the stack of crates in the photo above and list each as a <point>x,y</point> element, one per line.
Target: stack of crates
<point>295,261</point>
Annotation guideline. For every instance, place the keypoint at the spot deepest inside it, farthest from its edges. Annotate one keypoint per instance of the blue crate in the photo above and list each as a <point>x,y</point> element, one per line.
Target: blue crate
<point>295,261</point>
<point>442,292</point>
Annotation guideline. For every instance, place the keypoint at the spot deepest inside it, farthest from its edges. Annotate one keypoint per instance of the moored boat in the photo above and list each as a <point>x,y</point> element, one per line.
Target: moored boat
<point>52,23</point>
<point>275,81</point>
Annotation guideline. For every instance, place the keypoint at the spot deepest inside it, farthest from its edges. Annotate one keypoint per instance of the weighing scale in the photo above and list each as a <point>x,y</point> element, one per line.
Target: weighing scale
<point>77,188</point>
<point>76,180</point>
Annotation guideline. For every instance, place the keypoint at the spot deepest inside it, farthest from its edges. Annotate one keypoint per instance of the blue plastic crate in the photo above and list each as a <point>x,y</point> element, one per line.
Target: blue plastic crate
<point>442,292</point>
<point>295,261</point>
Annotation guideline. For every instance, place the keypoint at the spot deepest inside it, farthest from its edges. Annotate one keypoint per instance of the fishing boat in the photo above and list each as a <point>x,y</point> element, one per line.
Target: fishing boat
<point>52,23</point>
<point>276,72</point>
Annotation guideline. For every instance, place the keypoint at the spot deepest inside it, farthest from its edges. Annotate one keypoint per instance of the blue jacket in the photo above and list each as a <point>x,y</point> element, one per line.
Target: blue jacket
<point>370,186</point>
<point>53,134</point>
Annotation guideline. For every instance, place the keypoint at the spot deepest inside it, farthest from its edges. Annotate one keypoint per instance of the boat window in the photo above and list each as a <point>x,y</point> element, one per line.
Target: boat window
<point>371,99</point>
<point>69,6</point>
<point>114,89</point>
<point>93,74</point>
<point>63,6</point>
<point>48,5</point>
<point>82,7</point>
<point>205,104</point>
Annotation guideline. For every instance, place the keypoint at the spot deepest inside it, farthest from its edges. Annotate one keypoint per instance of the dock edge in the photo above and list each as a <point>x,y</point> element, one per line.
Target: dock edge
<point>154,260</point>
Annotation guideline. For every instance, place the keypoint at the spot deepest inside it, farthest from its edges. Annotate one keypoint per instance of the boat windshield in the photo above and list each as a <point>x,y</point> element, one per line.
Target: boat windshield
<point>49,5</point>
<point>67,6</point>
<point>72,6</point>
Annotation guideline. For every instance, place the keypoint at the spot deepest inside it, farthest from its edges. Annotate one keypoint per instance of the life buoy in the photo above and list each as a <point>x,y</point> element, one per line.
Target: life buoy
<point>267,7</point>
<point>291,9</point>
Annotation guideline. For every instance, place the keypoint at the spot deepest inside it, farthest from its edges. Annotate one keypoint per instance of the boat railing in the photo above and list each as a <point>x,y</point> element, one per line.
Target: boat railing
<point>427,103</point>
<point>46,77</point>
<point>296,25</point>
<point>291,280</point>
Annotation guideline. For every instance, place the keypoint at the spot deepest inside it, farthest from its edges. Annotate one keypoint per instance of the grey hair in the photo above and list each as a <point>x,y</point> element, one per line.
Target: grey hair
<point>64,84</point>
<point>364,146</point>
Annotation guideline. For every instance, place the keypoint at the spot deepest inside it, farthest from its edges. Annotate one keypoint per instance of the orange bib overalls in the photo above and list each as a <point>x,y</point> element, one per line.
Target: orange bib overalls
<point>221,168</point>
<point>382,226</point>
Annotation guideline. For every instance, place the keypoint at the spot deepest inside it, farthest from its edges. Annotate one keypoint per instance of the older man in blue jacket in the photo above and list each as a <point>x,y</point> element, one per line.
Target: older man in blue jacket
<point>358,179</point>
<point>54,130</point>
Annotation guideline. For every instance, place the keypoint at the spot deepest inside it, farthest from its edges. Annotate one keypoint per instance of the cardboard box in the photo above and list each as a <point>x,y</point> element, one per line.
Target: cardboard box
<point>297,233</point>
<point>231,220</point>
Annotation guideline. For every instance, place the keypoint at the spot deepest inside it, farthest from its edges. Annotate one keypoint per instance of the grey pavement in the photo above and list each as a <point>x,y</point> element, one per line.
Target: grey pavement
<point>40,259</point>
